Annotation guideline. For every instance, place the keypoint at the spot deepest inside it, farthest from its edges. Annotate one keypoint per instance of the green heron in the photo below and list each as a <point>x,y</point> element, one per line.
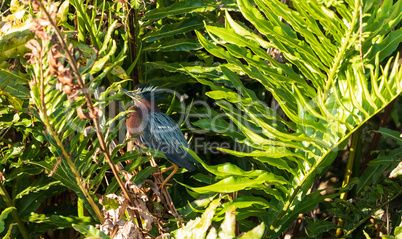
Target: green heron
<point>154,129</point>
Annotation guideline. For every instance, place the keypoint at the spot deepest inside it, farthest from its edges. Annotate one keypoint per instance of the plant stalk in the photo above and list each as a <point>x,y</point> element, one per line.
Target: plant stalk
<point>349,167</point>
<point>60,144</point>
<point>134,27</point>
<point>101,138</point>
<point>14,213</point>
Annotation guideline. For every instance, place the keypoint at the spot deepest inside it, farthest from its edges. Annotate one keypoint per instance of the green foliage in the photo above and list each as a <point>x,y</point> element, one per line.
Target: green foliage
<point>3,216</point>
<point>323,90</point>
<point>201,226</point>
<point>172,46</point>
<point>90,231</point>
<point>25,167</point>
<point>336,71</point>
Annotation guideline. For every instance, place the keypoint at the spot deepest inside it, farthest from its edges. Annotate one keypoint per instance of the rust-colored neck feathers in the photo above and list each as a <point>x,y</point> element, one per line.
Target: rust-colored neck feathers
<point>139,116</point>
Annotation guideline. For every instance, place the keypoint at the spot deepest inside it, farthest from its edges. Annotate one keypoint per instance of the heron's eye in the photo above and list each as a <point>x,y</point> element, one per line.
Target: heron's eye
<point>138,97</point>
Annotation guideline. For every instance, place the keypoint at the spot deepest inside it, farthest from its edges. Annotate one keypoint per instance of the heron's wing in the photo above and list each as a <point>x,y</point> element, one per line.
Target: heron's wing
<point>163,134</point>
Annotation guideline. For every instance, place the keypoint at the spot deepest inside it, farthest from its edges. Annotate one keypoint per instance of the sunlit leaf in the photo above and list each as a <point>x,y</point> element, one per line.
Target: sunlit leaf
<point>187,7</point>
<point>90,231</point>
<point>3,216</point>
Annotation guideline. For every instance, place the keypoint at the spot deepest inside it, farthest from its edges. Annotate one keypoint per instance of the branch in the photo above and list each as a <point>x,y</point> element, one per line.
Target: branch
<point>58,141</point>
<point>14,213</point>
<point>101,138</point>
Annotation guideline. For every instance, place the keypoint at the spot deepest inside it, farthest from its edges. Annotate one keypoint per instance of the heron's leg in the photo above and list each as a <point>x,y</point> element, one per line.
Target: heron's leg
<point>175,168</point>
<point>167,169</point>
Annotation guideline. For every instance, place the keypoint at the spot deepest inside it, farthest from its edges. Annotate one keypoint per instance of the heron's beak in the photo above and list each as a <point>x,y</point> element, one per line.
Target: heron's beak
<point>129,93</point>
<point>132,94</point>
<point>124,90</point>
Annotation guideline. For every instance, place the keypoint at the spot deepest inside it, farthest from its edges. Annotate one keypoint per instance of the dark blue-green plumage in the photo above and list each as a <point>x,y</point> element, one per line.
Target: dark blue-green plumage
<point>155,129</point>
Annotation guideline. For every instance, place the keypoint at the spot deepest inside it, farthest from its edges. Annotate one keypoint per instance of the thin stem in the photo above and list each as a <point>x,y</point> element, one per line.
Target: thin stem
<point>159,180</point>
<point>61,146</point>
<point>14,213</point>
<point>101,138</point>
<point>349,166</point>
<point>134,27</point>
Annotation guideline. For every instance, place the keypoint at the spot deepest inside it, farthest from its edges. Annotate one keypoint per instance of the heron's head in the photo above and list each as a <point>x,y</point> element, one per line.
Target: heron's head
<point>143,94</point>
